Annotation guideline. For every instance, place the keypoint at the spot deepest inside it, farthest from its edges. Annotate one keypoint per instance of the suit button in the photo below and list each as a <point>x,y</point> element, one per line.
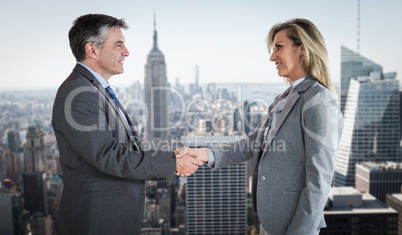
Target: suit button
<point>262,178</point>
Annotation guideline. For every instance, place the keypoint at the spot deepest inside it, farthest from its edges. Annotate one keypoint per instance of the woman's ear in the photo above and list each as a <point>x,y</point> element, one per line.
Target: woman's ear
<point>301,50</point>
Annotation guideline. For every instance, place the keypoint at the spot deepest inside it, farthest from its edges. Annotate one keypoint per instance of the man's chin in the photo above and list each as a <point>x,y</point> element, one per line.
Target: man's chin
<point>120,71</point>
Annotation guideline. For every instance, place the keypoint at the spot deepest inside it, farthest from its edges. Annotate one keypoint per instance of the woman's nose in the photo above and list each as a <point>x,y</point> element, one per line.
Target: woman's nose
<point>273,56</point>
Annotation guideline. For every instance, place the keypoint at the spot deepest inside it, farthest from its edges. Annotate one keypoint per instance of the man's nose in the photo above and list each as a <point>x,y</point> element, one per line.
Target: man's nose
<point>126,52</point>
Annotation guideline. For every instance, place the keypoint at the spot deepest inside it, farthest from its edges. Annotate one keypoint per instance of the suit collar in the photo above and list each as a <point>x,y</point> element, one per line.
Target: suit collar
<point>84,71</point>
<point>294,97</point>
<point>97,76</point>
<point>308,82</point>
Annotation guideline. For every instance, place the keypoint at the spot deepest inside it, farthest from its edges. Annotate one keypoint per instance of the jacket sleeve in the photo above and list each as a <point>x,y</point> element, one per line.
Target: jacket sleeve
<point>84,121</point>
<point>239,151</point>
<point>322,124</point>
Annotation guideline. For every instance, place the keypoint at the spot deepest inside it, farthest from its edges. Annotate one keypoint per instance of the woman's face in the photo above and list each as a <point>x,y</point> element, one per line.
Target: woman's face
<point>287,57</point>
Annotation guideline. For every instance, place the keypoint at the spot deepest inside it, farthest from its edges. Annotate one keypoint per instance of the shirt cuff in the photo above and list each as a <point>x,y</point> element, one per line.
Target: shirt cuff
<point>211,158</point>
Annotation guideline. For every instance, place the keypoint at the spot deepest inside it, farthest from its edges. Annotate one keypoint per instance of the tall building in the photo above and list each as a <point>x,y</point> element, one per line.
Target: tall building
<point>400,113</point>
<point>11,216</point>
<point>10,165</point>
<point>156,93</point>
<point>210,92</point>
<point>54,196</point>
<point>35,155</point>
<point>350,212</point>
<point>371,119</point>
<point>246,117</point>
<point>395,202</point>
<point>180,213</point>
<point>216,200</point>
<point>13,139</point>
<point>236,120</point>
<point>196,79</point>
<point>379,179</point>
<point>352,66</point>
<point>164,206</point>
<point>35,192</point>
<point>41,225</point>
<point>2,172</point>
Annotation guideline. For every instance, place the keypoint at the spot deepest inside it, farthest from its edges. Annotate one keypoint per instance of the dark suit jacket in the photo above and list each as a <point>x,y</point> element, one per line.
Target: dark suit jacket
<point>294,170</point>
<point>104,172</point>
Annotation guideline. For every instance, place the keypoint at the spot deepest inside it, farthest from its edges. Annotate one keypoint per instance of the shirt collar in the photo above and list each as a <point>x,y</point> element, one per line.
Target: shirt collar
<point>297,82</point>
<point>98,77</point>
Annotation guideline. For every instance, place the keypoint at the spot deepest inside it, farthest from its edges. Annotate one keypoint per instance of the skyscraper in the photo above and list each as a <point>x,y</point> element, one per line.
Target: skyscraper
<point>156,93</point>
<point>54,196</point>
<point>10,165</point>
<point>352,66</point>
<point>35,155</point>
<point>35,193</point>
<point>196,79</point>
<point>371,117</point>
<point>13,138</point>
<point>246,117</point>
<point>2,173</point>
<point>11,216</point>
<point>216,200</point>
<point>236,119</point>
<point>164,206</point>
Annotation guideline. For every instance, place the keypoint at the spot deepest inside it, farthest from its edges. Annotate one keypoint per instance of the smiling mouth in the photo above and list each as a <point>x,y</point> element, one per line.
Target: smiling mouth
<point>278,64</point>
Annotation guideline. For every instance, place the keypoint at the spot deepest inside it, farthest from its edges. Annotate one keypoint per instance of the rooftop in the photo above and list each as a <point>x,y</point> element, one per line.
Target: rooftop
<point>34,123</point>
<point>358,203</point>
<point>375,166</point>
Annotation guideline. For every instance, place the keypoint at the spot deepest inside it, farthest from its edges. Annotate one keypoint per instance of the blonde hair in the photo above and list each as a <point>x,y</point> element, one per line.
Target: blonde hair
<point>315,59</point>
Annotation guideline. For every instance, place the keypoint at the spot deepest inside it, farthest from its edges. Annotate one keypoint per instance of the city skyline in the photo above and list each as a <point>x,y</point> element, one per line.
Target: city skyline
<point>225,39</point>
<point>183,205</point>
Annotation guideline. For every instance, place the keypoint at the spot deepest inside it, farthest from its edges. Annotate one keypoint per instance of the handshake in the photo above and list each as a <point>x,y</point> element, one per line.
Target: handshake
<point>188,160</point>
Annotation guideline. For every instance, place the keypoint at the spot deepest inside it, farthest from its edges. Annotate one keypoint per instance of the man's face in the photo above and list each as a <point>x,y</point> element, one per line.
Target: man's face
<point>110,57</point>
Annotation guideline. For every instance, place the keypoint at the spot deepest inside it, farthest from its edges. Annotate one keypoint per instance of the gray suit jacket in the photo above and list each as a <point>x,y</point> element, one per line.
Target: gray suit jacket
<point>293,169</point>
<point>104,172</point>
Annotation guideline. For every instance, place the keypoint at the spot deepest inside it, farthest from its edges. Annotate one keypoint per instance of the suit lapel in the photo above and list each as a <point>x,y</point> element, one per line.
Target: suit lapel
<point>127,125</point>
<point>294,97</point>
<point>102,90</point>
<point>260,134</point>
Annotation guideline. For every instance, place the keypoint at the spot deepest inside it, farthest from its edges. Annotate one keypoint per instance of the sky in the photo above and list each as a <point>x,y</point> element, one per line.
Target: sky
<point>226,38</point>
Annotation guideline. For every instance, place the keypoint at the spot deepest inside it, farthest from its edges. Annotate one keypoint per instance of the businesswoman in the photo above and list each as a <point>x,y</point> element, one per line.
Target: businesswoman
<point>293,176</point>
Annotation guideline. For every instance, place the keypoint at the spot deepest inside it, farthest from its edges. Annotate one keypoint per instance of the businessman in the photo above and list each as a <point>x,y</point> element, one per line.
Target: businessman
<point>104,167</point>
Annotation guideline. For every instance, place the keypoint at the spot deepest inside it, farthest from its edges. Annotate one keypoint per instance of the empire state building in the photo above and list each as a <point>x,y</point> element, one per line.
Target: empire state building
<point>156,94</point>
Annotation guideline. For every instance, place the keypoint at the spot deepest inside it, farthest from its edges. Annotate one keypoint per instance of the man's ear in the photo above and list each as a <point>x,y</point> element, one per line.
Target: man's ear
<point>90,50</point>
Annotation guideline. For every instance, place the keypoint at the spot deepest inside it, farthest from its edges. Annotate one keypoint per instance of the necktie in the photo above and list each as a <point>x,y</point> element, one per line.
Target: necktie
<point>111,93</point>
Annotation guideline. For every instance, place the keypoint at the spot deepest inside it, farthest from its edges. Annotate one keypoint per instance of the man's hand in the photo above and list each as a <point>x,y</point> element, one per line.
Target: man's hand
<point>199,154</point>
<point>186,165</point>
